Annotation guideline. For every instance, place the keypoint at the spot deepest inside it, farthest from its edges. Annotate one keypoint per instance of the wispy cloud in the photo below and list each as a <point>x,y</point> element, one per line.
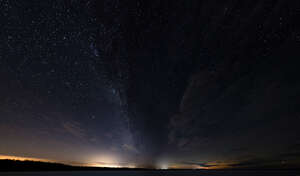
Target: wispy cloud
<point>130,148</point>
<point>74,128</point>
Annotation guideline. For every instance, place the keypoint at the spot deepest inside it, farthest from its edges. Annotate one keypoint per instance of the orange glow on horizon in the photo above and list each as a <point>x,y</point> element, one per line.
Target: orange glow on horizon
<point>95,164</point>
<point>110,165</point>
<point>111,162</point>
<point>214,165</point>
<point>21,158</point>
<point>108,160</point>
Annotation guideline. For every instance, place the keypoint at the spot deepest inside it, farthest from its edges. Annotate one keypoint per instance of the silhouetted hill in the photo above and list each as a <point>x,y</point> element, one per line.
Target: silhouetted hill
<point>16,165</point>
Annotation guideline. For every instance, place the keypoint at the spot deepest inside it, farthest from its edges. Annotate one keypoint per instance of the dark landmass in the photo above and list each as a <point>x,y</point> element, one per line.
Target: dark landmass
<point>16,165</point>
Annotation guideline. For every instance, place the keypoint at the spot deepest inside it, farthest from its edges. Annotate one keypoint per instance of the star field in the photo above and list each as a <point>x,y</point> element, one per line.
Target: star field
<point>197,84</point>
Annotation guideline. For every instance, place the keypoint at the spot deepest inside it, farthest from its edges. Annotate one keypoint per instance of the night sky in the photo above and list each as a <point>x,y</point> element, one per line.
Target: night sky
<point>158,84</point>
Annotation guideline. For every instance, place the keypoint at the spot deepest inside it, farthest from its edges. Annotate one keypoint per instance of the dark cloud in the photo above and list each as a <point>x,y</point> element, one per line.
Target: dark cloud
<point>207,165</point>
<point>252,163</point>
<point>273,162</point>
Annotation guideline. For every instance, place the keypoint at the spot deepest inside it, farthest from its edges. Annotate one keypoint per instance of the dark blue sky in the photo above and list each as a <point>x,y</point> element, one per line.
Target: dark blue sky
<point>151,84</point>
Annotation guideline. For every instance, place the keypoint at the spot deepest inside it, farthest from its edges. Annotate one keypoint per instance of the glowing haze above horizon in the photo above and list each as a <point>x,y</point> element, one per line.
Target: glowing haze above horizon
<point>158,84</point>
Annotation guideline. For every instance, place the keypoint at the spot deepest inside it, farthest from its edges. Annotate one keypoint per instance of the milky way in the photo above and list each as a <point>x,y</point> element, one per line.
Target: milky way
<point>152,84</point>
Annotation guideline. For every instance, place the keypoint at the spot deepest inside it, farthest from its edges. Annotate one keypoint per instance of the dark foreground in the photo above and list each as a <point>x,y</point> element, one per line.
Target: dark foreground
<point>155,173</point>
<point>32,168</point>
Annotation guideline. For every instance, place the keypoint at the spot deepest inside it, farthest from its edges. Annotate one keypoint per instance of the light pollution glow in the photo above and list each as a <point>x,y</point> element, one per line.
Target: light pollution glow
<point>194,166</point>
<point>110,162</point>
<point>107,160</point>
<point>101,162</point>
<point>20,158</point>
